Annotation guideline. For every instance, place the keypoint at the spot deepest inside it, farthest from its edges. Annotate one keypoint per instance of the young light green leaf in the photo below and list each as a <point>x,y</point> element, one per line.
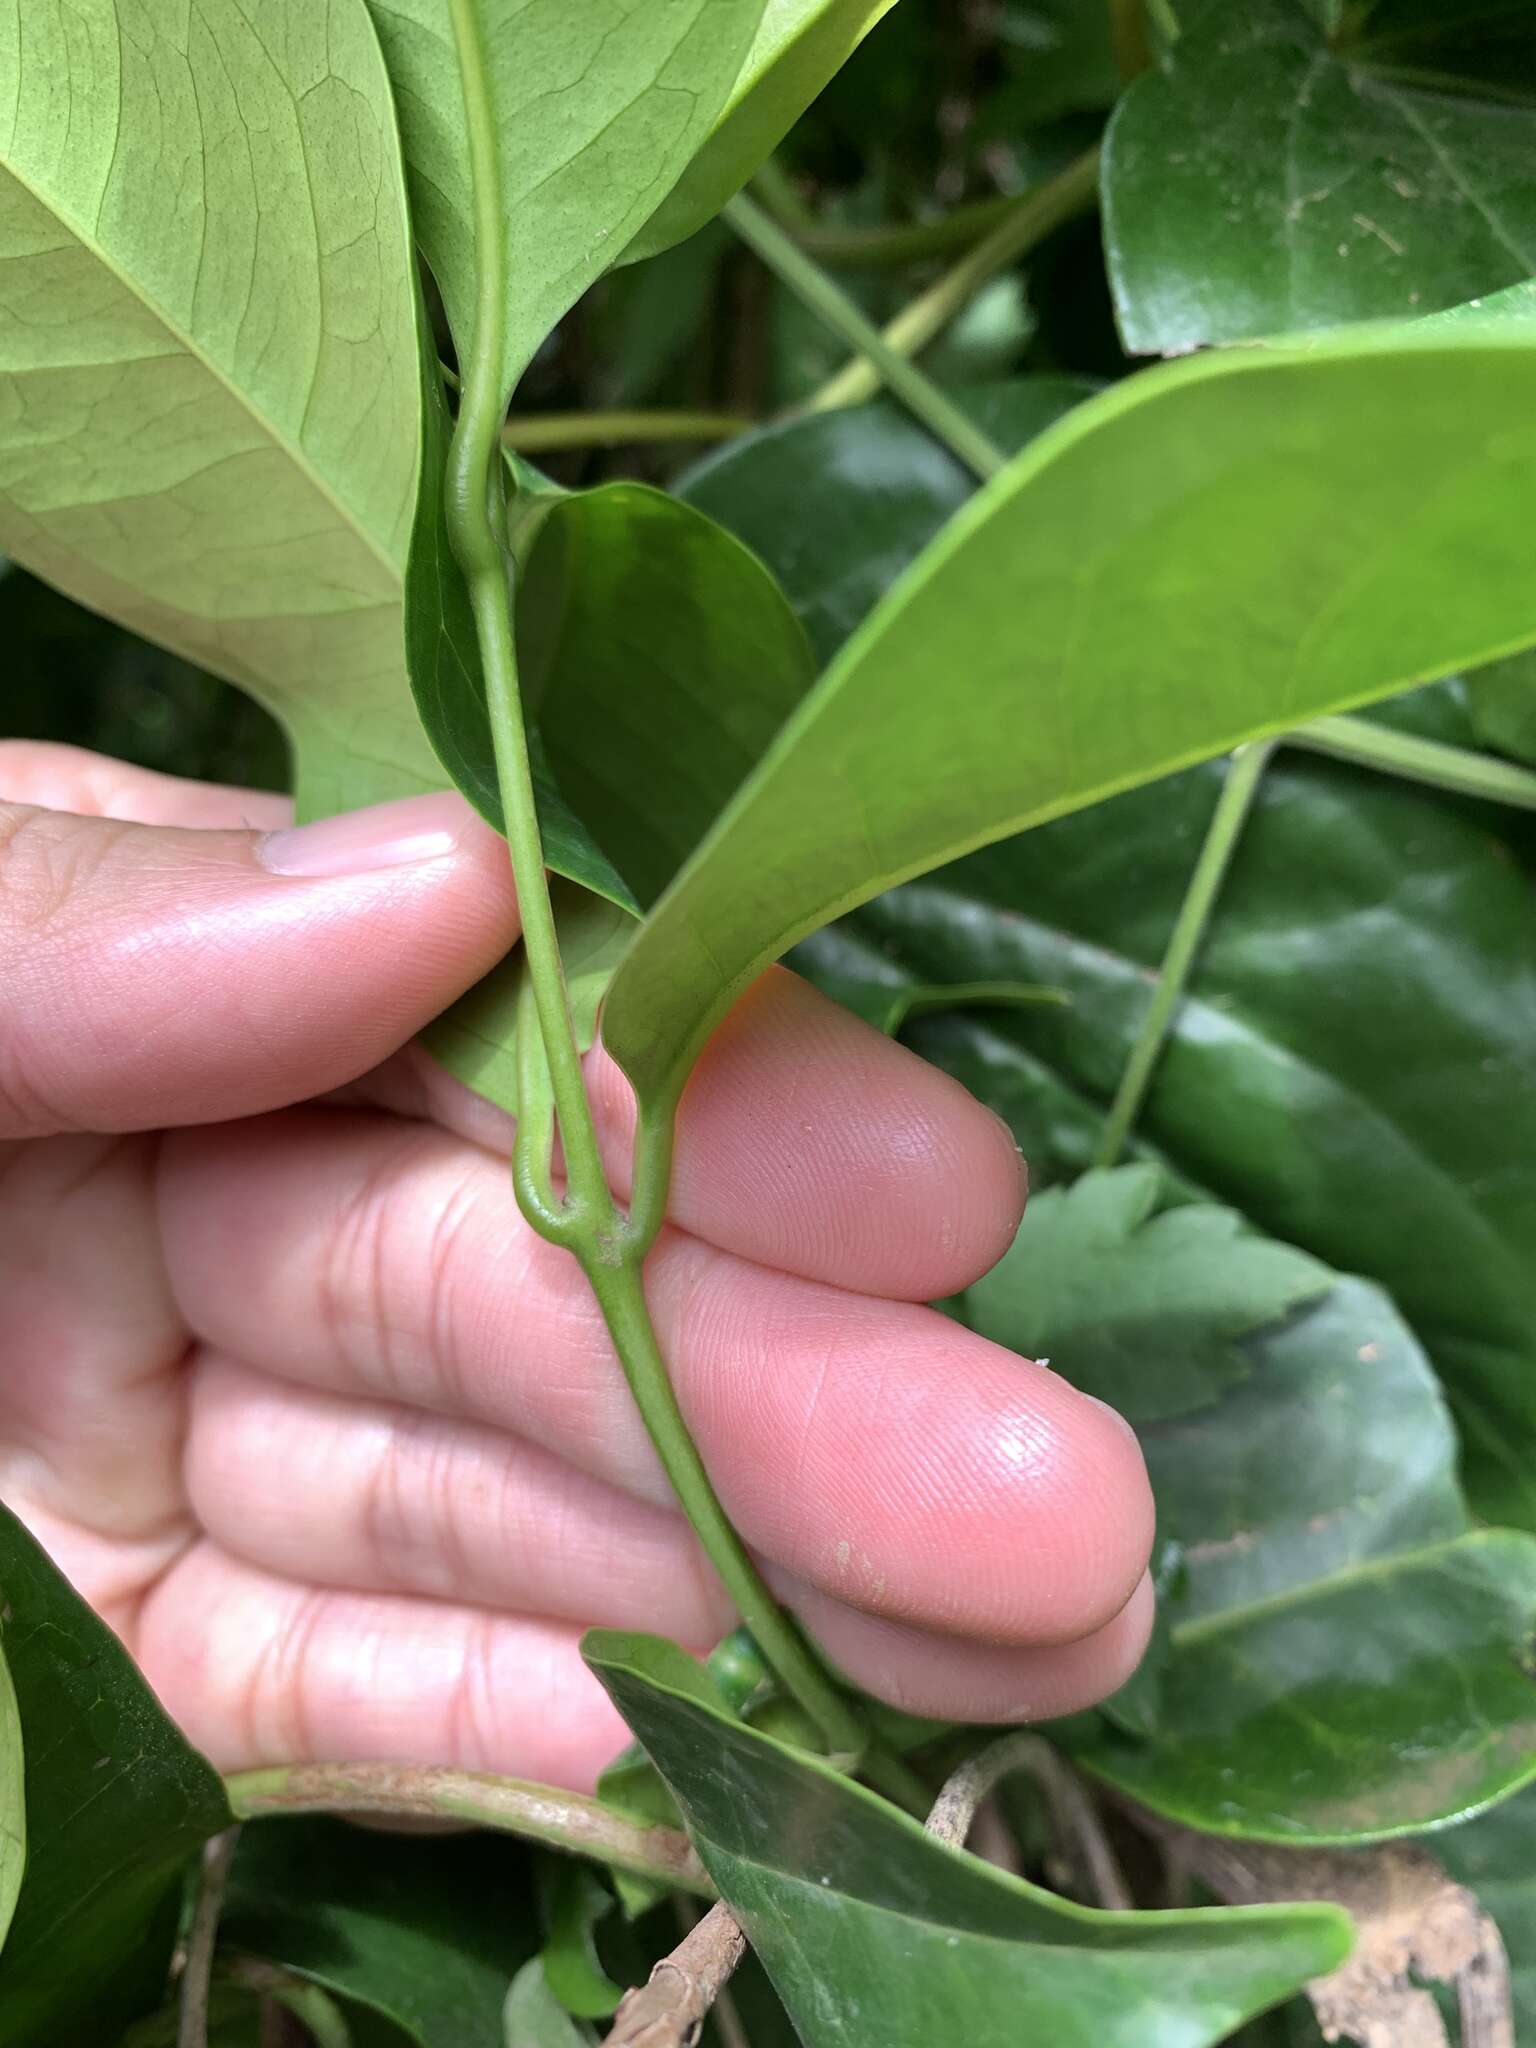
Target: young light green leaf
<point>1349,1656</point>
<point>218,439</point>
<point>13,1800</point>
<point>596,113</point>
<point>872,1930</point>
<point>1142,1309</point>
<point>116,1805</point>
<point>798,47</point>
<point>1202,554</point>
<point>535,2018</point>
<point>1270,178</point>
<point>425,1931</point>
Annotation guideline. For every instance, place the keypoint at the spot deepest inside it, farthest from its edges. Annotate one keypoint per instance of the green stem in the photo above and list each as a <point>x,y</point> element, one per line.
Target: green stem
<point>881,248</point>
<point>538,433</point>
<point>1431,762</point>
<point>776,189</point>
<point>1028,221</point>
<point>923,398</point>
<point>587,1221</point>
<point>1243,776</point>
<point>538,1813</point>
<point>197,1973</point>
<point>621,1296</point>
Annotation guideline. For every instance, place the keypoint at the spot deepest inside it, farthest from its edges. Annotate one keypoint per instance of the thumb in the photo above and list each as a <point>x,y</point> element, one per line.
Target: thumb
<point>150,975</point>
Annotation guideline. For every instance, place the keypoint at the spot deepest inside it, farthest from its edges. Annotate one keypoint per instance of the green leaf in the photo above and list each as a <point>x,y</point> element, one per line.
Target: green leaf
<point>535,2018</point>
<point>1349,1068</point>
<point>1492,1856</point>
<point>13,1802</point>
<point>1141,1309</point>
<point>1268,180</point>
<point>426,1931</point>
<point>660,660</point>
<point>116,1804</point>
<point>443,654</point>
<point>1349,1659</point>
<point>210,345</point>
<point>837,503</point>
<point>574,1900</point>
<point>1209,551</point>
<point>1502,701</point>
<point>872,1930</point>
<point>596,115</point>
<point>798,47</point>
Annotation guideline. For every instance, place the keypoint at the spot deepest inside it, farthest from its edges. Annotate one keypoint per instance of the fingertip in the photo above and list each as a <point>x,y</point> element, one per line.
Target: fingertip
<point>939,1678</point>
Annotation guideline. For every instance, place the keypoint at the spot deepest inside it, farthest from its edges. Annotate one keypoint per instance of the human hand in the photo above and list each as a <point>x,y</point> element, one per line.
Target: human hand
<point>341,1449</point>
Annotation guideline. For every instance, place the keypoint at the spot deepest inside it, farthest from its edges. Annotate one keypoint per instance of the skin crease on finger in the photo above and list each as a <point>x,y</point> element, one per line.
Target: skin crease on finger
<point>964,1533</point>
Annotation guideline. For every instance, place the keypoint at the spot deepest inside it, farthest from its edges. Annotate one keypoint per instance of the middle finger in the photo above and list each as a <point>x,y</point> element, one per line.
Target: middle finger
<point>871,1448</point>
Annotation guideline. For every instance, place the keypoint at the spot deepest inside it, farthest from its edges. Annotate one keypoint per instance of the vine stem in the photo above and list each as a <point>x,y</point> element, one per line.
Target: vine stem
<point>197,1975</point>
<point>537,433</point>
<point>937,411</point>
<point>1028,220</point>
<point>539,1813</point>
<point>1244,774</point>
<point>586,1221</point>
<point>1431,762</point>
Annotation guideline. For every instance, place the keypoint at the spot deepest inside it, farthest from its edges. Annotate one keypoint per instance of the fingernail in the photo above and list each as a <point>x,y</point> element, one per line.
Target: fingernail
<point>394,835</point>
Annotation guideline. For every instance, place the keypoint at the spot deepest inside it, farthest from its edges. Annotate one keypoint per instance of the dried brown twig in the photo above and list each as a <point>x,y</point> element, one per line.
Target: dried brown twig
<point>669,2010</point>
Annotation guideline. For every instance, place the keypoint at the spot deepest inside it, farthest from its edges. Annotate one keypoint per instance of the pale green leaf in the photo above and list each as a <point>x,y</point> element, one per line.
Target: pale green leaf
<point>1140,1308</point>
<point>535,2018</point>
<point>597,110</point>
<point>798,47</point>
<point>208,348</point>
<point>1212,550</point>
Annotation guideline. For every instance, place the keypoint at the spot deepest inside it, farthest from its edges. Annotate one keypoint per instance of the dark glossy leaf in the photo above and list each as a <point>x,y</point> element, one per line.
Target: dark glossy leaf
<point>116,1804</point>
<point>873,1931</point>
<point>1347,1657</point>
<point>1267,181</point>
<point>838,503</point>
<point>1495,1856</point>
<point>1350,1069</point>
<point>1501,699</point>
<point>1193,557</point>
<point>427,1931</point>
<point>1140,1308</point>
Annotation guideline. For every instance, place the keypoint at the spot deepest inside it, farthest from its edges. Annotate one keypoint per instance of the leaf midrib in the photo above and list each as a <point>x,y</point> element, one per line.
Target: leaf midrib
<point>190,347</point>
<point>1185,1633</point>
